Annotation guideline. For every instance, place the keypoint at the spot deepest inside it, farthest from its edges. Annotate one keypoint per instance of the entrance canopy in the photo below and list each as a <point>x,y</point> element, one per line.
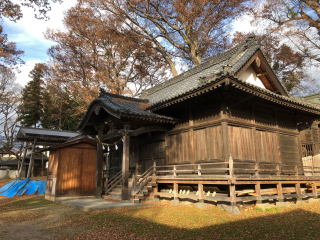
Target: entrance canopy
<point>46,137</point>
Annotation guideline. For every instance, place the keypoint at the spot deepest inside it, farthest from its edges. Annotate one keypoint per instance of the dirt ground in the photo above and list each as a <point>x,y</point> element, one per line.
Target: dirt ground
<point>33,217</point>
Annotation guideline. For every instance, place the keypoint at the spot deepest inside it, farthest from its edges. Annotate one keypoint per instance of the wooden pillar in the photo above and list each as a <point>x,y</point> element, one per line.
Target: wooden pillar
<point>125,164</point>
<point>99,164</point>
<point>298,191</point>
<point>201,195</point>
<point>277,136</point>
<point>280,194</point>
<point>232,189</point>
<point>175,191</point>
<point>31,162</point>
<point>138,171</point>
<point>224,125</point>
<point>23,159</point>
<point>191,135</point>
<point>258,192</point>
<point>314,190</point>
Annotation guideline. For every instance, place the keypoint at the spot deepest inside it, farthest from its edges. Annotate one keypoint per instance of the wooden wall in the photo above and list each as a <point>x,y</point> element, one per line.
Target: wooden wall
<point>289,150</point>
<point>214,127</point>
<point>75,169</point>
<point>52,169</point>
<point>208,144</point>
<point>150,152</point>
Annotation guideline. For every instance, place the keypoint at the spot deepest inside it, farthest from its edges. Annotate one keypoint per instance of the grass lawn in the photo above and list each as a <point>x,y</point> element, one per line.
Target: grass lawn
<point>41,219</point>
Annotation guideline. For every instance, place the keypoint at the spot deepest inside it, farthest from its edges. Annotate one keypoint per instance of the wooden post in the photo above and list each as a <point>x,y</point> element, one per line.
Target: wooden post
<point>201,195</point>
<point>175,191</point>
<point>32,158</point>
<point>231,171</point>
<point>279,190</point>
<point>199,170</point>
<point>154,169</point>
<point>174,171</point>
<point>42,165</point>
<point>224,125</point>
<point>23,159</point>
<point>314,190</point>
<point>298,191</point>
<point>232,188</point>
<point>191,135</point>
<point>278,170</point>
<point>125,165</point>
<point>99,163</point>
<point>256,169</point>
<point>137,159</point>
<point>258,192</point>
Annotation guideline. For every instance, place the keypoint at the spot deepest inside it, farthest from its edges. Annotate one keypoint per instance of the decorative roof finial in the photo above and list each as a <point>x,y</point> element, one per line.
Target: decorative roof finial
<point>102,92</point>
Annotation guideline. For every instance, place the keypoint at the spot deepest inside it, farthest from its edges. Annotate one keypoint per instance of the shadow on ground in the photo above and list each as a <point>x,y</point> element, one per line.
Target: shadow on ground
<point>165,222</point>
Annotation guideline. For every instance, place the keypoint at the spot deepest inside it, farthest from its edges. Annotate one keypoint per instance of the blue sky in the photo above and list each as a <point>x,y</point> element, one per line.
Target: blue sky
<point>28,35</point>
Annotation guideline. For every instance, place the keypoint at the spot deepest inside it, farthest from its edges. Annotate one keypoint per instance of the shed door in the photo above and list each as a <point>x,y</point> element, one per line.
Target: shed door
<point>76,171</point>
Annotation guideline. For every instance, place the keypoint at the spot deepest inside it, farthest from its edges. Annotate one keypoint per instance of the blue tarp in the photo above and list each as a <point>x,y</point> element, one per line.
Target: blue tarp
<point>17,187</point>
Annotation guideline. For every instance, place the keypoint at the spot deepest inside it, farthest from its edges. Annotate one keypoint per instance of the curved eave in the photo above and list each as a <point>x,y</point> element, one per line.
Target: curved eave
<point>244,86</point>
<point>98,104</point>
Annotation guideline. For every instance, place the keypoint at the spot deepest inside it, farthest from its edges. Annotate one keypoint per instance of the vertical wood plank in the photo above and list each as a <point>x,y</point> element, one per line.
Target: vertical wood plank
<point>125,166</point>
<point>99,170</point>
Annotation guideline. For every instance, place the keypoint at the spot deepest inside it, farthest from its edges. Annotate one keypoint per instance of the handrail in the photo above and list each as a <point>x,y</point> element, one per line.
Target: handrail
<point>114,178</point>
<point>114,183</point>
<point>139,185</point>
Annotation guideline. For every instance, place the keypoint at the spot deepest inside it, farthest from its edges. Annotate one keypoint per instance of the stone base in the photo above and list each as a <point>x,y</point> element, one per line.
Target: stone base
<point>125,201</point>
<point>155,200</point>
<point>97,193</point>
<point>299,202</point>
<point>230,209</point>
<point>135,200</point>
<point>175,203</point>
<point>281,204</point>
<point>264,206</point>
<point>311,200</point>
<point>200,205</point>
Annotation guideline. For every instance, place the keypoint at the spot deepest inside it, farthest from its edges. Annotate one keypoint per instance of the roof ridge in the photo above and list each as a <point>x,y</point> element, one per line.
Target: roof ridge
<point>213,61</point>
<point>104,93</point>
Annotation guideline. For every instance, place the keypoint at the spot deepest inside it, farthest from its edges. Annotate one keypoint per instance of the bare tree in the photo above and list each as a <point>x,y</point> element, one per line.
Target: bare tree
<point>10,95</point>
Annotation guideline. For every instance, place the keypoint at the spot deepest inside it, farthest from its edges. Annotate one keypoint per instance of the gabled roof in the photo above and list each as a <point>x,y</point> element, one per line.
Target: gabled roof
<point>229,62</point>
<point>121,106</point>
<point>45,137</point>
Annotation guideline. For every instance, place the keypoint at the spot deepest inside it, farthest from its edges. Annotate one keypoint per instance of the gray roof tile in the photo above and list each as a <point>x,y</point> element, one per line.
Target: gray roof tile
<point>236,58</point>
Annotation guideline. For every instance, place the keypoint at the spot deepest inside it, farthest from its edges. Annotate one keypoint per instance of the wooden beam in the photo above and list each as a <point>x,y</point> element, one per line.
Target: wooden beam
<point>23,160</point>
<point>262,74</point>
<point>125,165</point>
<point>142,130</point>
<point>98,188</point>
<point>31,162</point>
<point>118,133</point>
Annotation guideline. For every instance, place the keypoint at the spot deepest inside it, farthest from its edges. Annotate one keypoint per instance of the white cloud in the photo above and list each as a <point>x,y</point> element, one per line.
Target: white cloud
<point>22,77</point>
<point>28,35</point>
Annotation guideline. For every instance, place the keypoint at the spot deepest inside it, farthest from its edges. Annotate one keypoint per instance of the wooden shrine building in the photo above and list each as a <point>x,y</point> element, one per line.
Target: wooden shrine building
<point>226,130</point>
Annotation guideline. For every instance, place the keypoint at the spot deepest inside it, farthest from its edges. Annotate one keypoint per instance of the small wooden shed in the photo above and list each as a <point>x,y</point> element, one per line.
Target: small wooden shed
<point>72,168</point>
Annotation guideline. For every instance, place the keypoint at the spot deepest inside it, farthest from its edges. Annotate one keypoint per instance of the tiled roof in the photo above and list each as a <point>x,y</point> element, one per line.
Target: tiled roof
<point>118,106</point>
<point>230,61</point>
